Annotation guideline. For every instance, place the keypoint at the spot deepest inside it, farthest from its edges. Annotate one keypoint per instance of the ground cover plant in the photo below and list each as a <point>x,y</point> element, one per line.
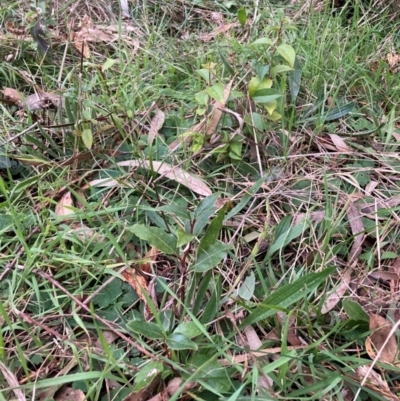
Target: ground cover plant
<point>199,200</point>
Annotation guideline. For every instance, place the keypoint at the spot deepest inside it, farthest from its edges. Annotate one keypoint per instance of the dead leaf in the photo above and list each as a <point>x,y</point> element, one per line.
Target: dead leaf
<point>149,258</point>
<point>208,125</point>
<point>340,144</point>
<point>381,330</point>
<point>156,123</point>
<point>137,281</point>
<point>146,392</point>
<point>12,382</point>
<point>109,336</point>
<point>63,207</point>
<point>84,233</point>
<point>174,173</point>
<point>206,37</point>
<point>375,382</point>
<point>357,229</point>
<point>292,337</point>
<point>70,394</point>
<point>334,298</point>
<point>12,94</point>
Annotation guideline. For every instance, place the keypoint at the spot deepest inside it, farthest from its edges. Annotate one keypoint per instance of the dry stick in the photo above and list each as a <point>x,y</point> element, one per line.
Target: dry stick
<point>392,332</point>
<point>100,319</point>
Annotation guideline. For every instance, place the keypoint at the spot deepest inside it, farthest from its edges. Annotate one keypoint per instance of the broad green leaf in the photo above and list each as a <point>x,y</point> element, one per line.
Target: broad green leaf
<point>295,80</point>
<point>277,69</point>
<point>204,73</point>
<point>287,295</point>
<point>203,212</point>
<point>242,17</point>
<point>201,98</point>
<point>147,374</point>
<point>246,290</point>
<point>216,92</point>
<point>288,53</point>
<point>256,84</point>
<point>156,237</point>
<point>226,64</point>
<point>178,341</point>
<point>209,370</point>
<point>211,234</point>
<point>147,329</point>
<point>201,292</point>
<point>87,137</point>
<point>354,310</point>
<point>167,319</point>
<point>183,237</point>
<point>210,257</point>
<point>285,238</point>
<point>339,112</point>
<point>266,95</point>
<point>235,150</point>
<point>212,306</point>
<point>189,329</point>
<point>108,64</point>
<point>283,226</point>
<point>275,116</point>
<point>262,41</point>
<point>260,69</point>
<point>271,106</point>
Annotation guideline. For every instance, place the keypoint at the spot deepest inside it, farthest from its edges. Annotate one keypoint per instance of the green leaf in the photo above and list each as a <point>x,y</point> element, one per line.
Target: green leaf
<point>339,112</point>
<point>156,237</point>
<point>262,41</point>
<point>147,374</point>
<point>277,69</point>
<point>260,69</point>
<point>189,329</point>
<point>216,92</point>
<point>201,98</point>
<point>266,95</point>
<point>354,310</point>
<point>226,63</point>
<point>147,329</point>
<point>204,73</point>
<point>246,290</point>
<point>256,84</point>
<point>183,237</point>
<point>242,17</point>
<point>287,237</point>
<point>203,212</point>
<point>108,64</point>
<point>295,80</point>
<point>212,306</point>
<point>287,295</point>
<point>179,342</point>
<point>211,234</point>
<point>288,53</point>
<point>87,137</point>
<point>210,257</point>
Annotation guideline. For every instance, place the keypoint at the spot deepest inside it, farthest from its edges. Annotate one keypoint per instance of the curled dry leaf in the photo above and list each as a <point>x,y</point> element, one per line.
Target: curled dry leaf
<point>138,282</point>
<point>70,394</point>
<point>12,382</point>
<point>174,173</point>
<point>63,207</point>
<point>381,329</point>
<point>36,101</point>
<point>156,123</point>
<point>151,256</point>
<point>339,143</point>
<point>335,297</point>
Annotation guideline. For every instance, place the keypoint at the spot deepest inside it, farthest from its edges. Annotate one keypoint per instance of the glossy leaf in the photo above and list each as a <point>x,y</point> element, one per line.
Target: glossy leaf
<point>266,95</point>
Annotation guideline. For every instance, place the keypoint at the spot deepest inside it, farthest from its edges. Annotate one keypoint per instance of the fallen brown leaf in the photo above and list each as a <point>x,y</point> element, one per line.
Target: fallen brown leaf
<point>70,394</point>
<point>138,282</point>
<point>334,298</point>
<point>381,330</point>
<point>63,207</point>
<point>156,123</point>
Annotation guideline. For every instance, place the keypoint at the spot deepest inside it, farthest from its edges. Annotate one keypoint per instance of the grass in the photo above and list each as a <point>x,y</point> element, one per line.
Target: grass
<point>254,268</point>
